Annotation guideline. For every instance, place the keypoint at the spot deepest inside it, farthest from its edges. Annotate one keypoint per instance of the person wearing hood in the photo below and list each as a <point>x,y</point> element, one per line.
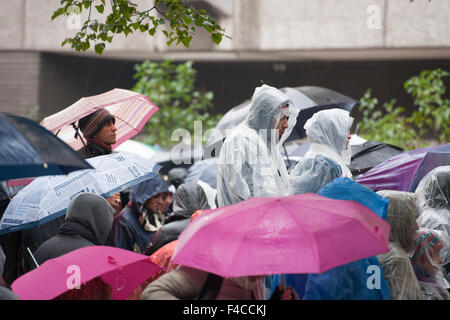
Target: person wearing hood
<point>250,163</point>
<point>329,154</point>
<point>398,270</point>
<point>136,224</point>
<point>88,222</point>
<point>427,263</point>
<point>433,199</point>
<point>188,199</point>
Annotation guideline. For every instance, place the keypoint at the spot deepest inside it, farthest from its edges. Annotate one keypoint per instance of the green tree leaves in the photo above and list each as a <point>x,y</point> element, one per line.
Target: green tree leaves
<point>179,22</point>
<point>432,117</point>
<point>172,88</point>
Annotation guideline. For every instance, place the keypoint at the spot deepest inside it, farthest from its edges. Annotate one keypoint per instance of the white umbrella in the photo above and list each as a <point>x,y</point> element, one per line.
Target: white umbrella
<point>48,197</point>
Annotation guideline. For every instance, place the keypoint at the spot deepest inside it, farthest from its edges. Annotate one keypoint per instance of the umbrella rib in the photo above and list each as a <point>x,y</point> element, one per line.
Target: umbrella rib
<point>257,218</point>
<point>316,250</point>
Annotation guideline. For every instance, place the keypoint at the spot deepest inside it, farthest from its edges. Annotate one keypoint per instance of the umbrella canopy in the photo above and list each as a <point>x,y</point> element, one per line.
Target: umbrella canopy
<point>404,171</point>
<point>29,150</point>
<point>47,198</point>
<point>369,154</point>
<point>304,233</point>
<point>310,99</point>
<point>123,270</point>
<point>141,149</point>
<point>130,109</point>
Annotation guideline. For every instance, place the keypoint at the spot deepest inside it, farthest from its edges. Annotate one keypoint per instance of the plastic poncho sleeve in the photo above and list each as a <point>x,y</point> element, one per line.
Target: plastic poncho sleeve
<point>400,275</point>
<point>312,173</point>
<point>246,169</point>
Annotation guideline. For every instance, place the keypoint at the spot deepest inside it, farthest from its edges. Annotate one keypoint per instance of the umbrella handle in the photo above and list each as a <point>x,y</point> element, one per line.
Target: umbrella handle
<point>77,133</point>
<point>283,282</point>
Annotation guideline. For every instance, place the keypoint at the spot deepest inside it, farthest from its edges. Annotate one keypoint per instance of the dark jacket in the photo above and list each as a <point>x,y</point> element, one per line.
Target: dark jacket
<point>189,198</point>
<point>92,149</point>
<point>88,222</point>
<point>129,231</point>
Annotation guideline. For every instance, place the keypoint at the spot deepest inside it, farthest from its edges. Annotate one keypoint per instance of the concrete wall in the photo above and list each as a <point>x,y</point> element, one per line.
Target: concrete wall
<point>19,81</point>
<point>282,25</point>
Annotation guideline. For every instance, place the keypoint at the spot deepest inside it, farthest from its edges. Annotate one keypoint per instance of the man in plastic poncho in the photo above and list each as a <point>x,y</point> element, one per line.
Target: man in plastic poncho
<point>250,163</point>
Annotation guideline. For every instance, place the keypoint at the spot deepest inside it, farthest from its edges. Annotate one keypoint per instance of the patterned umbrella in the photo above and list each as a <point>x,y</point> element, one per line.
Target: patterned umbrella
<point>130,109</point>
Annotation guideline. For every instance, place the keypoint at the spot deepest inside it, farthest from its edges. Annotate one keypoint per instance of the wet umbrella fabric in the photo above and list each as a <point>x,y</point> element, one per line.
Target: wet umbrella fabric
<point>29,150</point>
<point>312,99</point>
<point>304,233</point>
<point>131,111</point>
<point>123,270</point>
<point>370,154</point>
<point>47,198</point>
<point>404,171</point>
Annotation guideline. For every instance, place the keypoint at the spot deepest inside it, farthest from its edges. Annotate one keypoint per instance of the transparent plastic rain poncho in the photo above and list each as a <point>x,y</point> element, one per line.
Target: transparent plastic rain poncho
<point>250,163</point>
<point>328,154</point>
<point>433,200</point>
<point>396,264</point>
<point>427,264</point>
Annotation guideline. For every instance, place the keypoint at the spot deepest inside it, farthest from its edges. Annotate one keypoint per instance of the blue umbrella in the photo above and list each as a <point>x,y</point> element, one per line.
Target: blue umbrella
<point>29,150</point>
<point>47,198</point>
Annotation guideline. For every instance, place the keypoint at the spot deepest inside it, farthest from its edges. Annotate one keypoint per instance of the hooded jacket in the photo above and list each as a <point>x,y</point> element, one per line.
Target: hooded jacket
<point>398,270</point>
<point>129,231</point>
<point>88,222</point>
<point>188,199</point>
<point>250,163</point>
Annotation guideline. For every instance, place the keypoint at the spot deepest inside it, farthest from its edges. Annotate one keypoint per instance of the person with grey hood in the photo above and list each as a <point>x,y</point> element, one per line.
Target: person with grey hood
<point>398,270</point>
<point>189,198</point>
<point>250,163</point>
<point>88,222</point>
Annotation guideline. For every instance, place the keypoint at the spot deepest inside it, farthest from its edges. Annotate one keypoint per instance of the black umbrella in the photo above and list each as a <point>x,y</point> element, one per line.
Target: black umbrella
<point>369,154</point>
<point>29,150</point>
<point>312,99</point>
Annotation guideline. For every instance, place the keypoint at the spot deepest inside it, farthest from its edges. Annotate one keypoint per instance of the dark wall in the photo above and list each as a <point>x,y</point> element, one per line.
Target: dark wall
<point>65,79</point>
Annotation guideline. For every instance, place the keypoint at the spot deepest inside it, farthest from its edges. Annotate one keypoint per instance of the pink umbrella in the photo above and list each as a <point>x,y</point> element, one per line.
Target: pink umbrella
<point>131,110</point>
<point>304,233</point>
<point>123,270</point>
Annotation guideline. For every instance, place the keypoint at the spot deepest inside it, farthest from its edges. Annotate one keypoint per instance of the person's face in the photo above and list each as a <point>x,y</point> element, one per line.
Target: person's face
<point>282,124</point>
<point>349,136</point>
<point>166,202</point>
<point>155,203</point>
<point>107,133</point>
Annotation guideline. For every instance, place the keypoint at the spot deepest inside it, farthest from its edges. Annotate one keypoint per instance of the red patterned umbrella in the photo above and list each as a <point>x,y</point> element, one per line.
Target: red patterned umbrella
<point>130,109</point>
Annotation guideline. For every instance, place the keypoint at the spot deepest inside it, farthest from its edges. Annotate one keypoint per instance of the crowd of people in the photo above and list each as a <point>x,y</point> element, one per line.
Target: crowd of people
<point>149,217</point>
